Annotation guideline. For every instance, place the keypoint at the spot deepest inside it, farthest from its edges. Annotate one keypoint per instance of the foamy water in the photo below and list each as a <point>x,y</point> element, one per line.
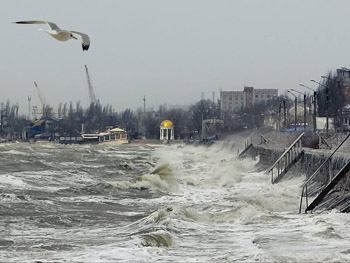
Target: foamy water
<point>175,203</point>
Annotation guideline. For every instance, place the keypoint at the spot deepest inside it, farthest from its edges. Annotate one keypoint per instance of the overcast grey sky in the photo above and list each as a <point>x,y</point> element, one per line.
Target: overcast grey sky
<point>169,51</point>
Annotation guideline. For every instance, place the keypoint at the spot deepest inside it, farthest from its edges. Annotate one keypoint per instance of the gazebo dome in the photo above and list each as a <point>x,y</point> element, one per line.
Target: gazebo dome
<point>166,130</point>
<point>167,124</point>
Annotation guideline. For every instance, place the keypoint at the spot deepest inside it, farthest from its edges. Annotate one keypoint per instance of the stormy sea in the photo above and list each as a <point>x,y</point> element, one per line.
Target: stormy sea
<point>156,203</point>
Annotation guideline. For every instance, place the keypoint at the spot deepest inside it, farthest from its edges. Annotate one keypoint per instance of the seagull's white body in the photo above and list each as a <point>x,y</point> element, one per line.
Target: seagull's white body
<point>63,35</point>
<point>60,34</point>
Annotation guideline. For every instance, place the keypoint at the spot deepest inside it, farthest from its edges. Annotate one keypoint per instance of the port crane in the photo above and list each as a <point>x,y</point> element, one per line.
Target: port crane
<point>42,99</point>
<point>36,111</point>
<point>40,95</point>
<point>92,96</point>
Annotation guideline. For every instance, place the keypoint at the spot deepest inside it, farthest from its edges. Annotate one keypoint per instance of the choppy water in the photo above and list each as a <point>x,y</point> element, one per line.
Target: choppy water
<point>143,203</point>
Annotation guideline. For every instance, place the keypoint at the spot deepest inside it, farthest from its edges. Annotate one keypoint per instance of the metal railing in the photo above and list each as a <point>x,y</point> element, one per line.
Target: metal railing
<point>247,146</point>
<point>304,186</point>
<point>286,158</point>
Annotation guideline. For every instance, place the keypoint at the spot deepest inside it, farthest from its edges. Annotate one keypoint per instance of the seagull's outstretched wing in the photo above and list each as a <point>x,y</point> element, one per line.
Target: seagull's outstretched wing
<point>52,25</point>
<point>59,34</point>
<point>85,40</point>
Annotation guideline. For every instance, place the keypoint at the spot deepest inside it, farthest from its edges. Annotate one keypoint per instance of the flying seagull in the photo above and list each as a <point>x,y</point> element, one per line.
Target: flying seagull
<point>60,34</point>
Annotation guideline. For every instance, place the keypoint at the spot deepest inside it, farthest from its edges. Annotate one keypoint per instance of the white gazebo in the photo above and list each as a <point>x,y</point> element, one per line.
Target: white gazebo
<point>166,130</point>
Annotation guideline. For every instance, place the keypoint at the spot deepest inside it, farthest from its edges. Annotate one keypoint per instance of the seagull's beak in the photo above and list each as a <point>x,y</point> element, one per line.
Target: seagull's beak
<point>72,36</point>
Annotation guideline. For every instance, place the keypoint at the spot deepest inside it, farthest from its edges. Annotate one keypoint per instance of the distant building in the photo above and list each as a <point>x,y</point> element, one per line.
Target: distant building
<point>343,78</point>
<point>343,84</point>
<point>233,101</point>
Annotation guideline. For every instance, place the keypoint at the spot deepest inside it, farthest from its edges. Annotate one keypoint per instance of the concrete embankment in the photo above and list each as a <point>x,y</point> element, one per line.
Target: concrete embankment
<point>338,197</point>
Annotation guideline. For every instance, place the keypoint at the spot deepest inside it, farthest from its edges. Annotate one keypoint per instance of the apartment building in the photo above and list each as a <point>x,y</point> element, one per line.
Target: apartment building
<point>233,101</point>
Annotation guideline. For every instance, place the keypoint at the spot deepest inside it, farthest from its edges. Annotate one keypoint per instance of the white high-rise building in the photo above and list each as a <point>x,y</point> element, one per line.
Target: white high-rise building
<point>233,101</point>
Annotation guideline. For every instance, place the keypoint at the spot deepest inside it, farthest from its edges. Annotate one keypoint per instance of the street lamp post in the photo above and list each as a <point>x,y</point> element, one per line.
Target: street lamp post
<point>314,101</point>
<point>295,110</point>
<point>279,117</point>
<point>340,109</point>
<point>282,105</point>
<point>304,106</point>
<point>284,113</point>
<point>327,98</point>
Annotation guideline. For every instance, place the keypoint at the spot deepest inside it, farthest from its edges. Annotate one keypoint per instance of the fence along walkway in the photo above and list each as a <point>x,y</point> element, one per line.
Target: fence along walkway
<point>289,157</point>
<point>246,149</point>
<point>247,145</point>
<point>329,186</point>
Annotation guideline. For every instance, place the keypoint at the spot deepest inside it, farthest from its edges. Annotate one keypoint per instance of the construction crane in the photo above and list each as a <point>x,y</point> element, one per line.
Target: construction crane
<point>44,109</point>
<point>37,111</point>
<point>91,90</point>
<point>40,95</point>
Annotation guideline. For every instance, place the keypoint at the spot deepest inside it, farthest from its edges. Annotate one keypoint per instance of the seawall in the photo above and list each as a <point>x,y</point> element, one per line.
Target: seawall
<point>337,198</point>
<point>308,164</point>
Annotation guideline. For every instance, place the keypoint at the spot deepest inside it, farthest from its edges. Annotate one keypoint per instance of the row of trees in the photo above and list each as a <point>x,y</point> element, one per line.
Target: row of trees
<point>331,97</point>
<point>72,118</point>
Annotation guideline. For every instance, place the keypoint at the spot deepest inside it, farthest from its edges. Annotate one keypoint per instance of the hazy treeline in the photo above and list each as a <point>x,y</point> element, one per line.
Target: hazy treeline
<point>72,117</point>
<point>97,117</point>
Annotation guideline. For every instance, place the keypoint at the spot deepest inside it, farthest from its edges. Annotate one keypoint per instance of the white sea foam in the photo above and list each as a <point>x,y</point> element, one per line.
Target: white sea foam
<point>213,207</point>
<point>14,152</point>
<point>11,180</point>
